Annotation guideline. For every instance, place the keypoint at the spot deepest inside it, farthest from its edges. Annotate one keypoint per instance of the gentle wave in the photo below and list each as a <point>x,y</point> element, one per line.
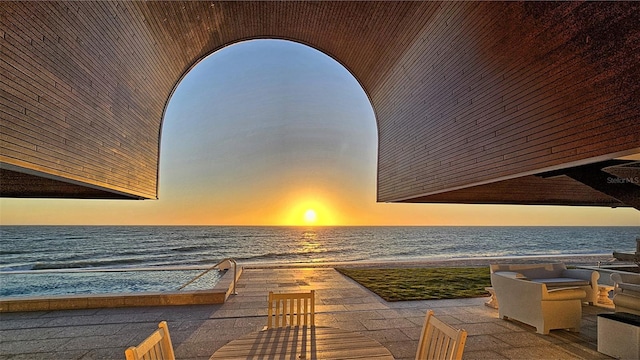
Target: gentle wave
<point>84,264</point>
<point>194,248</point>
<point>72,247</point>
<point>14,252</point>
<point>11,268</point>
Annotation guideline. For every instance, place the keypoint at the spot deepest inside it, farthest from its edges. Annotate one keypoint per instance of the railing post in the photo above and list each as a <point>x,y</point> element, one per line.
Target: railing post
<point>235,266</point>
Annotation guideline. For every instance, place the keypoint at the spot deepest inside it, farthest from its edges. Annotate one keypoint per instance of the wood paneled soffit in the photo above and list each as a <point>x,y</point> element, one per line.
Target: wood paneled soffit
<point>509,90</point>
<point>21,184</point>
<point>464,93</point>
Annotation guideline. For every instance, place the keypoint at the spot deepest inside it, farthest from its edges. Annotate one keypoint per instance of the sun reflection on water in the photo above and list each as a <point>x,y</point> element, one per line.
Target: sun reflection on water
<point>309,243</point>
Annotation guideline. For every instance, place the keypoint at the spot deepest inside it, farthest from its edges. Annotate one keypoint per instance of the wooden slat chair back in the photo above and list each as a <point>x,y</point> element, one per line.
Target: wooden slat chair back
<point>156,347</point>
<point>291,309</point>
<point>440,341</point>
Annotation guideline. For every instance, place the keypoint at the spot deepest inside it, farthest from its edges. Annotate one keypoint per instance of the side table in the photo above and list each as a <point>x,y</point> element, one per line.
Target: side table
<point>603,294</point>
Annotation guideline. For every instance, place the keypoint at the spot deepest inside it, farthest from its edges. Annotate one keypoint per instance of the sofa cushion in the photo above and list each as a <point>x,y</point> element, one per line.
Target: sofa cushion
<point>532,270</point>
<point>626,278</point>
<point>561,281</point>
<point>542,272</point>
<point>629,287</point>
<point>558,294</point>
<point>627,301</point>
<point>512,274</point>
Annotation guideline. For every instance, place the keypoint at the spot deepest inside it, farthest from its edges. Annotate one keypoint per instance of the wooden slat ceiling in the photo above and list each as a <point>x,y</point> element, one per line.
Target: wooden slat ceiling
<point>466,94</point>
<point>537,190</point>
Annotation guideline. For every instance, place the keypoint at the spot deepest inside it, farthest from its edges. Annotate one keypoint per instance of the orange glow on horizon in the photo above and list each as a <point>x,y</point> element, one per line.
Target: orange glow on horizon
<point>310,209</point>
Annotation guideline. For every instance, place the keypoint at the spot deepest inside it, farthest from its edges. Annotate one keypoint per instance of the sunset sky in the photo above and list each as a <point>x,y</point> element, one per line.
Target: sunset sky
<point>261,132</point>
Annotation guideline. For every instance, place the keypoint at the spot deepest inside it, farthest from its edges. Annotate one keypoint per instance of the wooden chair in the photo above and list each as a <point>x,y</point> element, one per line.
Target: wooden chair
<point>440,341</point>
<point>291,309</point>
<point>156,347</point>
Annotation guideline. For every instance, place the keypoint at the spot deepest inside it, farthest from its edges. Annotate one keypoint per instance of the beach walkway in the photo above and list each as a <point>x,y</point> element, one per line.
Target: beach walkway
<point>198,331</point>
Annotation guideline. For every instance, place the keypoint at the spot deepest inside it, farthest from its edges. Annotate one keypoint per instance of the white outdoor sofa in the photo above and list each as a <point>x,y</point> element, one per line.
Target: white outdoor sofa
<point>526,299</point>
<point>557,275</point>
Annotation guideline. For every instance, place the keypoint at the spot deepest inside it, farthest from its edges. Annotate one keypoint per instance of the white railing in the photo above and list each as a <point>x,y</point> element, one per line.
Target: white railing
<point>222,265</point>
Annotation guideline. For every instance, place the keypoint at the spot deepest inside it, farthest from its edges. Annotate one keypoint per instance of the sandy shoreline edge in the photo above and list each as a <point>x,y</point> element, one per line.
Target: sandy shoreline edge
<point>571,259</point>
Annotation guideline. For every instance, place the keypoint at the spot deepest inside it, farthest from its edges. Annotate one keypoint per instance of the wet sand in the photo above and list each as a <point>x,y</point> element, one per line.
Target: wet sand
<point>573,260</point>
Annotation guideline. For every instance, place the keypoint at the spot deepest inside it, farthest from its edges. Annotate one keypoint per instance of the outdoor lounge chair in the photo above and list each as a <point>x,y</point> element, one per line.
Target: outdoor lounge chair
<point>440,341</point>
<point>157,346</point>
<point>556,275</point>
<point>626,293</point>
<point>291,309</point>
<point>533,303</point>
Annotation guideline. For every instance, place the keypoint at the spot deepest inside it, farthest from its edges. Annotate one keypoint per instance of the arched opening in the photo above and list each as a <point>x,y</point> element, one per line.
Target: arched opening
<point>263,131</point>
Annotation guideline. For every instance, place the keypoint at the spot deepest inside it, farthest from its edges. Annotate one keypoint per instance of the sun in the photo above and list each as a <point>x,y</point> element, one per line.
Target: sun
<point>310,216</point>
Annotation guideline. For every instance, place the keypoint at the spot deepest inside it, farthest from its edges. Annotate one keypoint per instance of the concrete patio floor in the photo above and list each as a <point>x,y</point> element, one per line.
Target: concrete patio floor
<point>198,331</point>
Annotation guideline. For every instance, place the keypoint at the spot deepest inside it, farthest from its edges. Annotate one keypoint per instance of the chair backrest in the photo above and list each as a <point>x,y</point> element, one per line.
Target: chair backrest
<point>531,271</point>
<point>156,347</point>
<point>291,309</point>
<point>440,341</point>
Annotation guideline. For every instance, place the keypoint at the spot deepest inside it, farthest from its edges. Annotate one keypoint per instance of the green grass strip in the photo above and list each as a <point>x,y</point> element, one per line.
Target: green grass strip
<point>422,283</point>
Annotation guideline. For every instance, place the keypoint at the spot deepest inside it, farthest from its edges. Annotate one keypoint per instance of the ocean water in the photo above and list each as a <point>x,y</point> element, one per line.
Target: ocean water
<point>31,257</point>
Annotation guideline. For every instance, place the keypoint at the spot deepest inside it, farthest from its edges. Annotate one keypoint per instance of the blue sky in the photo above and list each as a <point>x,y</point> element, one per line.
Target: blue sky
<point>262,131</point>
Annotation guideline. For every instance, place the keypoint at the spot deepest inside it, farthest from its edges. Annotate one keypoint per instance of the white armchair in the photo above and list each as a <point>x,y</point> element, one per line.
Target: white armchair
<point>532,303</point>
<point>626,293</point>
